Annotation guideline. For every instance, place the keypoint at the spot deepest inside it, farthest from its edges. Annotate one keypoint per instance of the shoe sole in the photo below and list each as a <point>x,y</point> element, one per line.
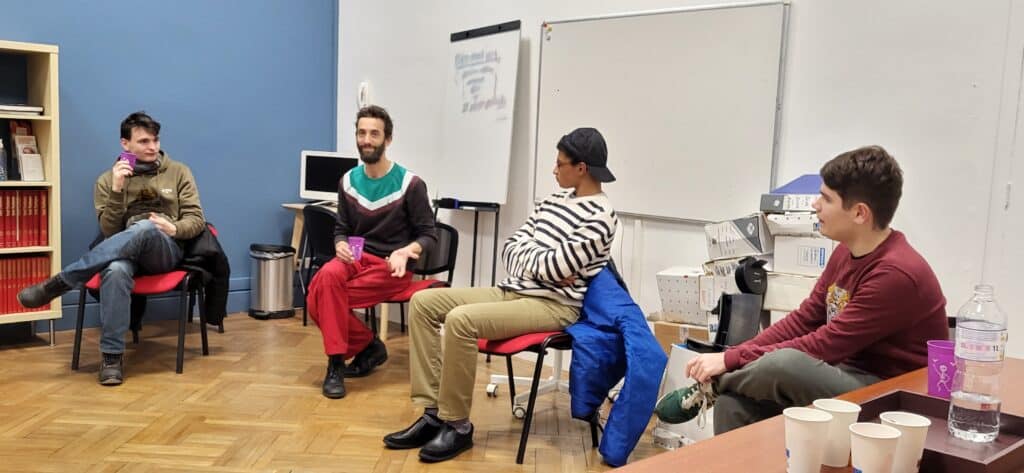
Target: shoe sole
<point>374,363</point>
<point>428,458</point>
<point>399,446</point>
<point>111,382</point>
<point>334,396</point>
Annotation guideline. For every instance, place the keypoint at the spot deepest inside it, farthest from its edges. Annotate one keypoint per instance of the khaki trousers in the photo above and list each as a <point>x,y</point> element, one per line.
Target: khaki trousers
<point>446,381</point>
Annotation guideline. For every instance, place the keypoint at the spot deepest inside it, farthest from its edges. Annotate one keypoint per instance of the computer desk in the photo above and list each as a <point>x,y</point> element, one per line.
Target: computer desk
<point>761,446</point>
<point>297,226</point>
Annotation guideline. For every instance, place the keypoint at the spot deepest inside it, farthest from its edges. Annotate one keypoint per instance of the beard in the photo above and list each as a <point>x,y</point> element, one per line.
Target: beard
<point>372,156</point>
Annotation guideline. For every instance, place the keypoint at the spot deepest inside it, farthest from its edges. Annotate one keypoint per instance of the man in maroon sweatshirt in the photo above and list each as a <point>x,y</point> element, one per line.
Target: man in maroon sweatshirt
<point>867,319</point>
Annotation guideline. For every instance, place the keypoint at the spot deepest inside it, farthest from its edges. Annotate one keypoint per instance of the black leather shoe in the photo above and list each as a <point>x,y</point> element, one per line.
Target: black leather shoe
<point>415,435</point>
<point>38,295</point>
<point>374,355</point>
<point>112,369</point>
<point>334,382</point>
<point>448,444</point>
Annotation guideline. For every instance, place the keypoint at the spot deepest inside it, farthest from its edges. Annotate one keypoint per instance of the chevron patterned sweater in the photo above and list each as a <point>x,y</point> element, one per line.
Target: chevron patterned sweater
<point>389,212</point>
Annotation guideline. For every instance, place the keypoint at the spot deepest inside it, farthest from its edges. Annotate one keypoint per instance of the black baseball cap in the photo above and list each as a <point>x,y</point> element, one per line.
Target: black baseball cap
<point>587,145</point>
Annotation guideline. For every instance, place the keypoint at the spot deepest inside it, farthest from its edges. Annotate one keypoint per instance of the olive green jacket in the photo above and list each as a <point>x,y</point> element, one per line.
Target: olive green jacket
<point>171,191</point>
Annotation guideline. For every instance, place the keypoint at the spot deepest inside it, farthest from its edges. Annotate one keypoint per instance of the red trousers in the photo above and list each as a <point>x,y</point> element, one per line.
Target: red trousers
<point>340,287</point>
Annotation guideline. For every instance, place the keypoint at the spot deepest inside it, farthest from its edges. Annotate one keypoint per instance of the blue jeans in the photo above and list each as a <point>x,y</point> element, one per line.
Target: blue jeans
<point>139,249</point>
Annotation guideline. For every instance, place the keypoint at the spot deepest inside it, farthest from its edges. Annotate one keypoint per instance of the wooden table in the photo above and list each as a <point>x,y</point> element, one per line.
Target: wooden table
<point>759,447</point>
<point>297,227</point>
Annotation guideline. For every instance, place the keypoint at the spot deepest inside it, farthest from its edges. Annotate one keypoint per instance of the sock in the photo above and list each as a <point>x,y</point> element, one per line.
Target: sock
<point>430,415</point>
<point>462,426</point>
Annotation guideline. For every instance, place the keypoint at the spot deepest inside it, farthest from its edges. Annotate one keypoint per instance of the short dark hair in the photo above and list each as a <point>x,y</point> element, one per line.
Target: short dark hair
<point>870,175</point>
<point>139,120</point>
<point>374,111</point>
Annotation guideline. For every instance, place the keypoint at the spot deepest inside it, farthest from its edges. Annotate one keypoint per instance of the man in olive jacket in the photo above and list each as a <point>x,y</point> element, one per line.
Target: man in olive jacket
<point>145,212</point>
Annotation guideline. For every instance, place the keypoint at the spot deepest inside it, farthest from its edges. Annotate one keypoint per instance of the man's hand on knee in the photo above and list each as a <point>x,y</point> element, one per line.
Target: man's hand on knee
<point>706,366</point>
<point>163,224</point>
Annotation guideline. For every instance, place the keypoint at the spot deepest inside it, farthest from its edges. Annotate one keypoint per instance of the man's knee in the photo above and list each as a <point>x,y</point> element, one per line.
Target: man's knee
<point>780,364</point>
<point>422,304</point>
<point>120,269</point>
<point>459,323</point>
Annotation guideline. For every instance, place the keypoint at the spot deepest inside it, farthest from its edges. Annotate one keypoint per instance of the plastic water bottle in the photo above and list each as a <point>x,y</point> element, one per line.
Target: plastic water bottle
<point>980,343</point>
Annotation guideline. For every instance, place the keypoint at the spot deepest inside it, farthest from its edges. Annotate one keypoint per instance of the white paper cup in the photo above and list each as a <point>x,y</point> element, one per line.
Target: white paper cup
<point>872,447</point>
<point>806,436</point>
<point>837,451</point>
<point>914,430</point>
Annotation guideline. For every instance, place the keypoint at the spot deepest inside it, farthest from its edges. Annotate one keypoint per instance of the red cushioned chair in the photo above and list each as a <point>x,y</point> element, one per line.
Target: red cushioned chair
<point>538,343</point>
<point>188,283</point>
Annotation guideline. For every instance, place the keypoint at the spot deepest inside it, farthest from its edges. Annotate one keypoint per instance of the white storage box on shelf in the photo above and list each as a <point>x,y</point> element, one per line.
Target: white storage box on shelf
<point>802,255</point>
<point>679,289</point>
<point>745,236</point>
<point>786,291</point>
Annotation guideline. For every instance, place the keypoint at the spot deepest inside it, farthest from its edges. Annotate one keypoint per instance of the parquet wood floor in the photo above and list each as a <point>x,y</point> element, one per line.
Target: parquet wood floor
<point>254,404</point>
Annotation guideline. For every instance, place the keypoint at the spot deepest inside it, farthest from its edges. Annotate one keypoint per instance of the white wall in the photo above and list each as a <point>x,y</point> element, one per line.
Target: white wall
<point>929,80</point>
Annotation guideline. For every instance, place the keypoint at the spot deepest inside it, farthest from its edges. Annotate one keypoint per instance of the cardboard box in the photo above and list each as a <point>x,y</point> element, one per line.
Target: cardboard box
<point>781,203</point>
<point>794,224</point>
<point>675,378</point>
<point>744,236</point>
<point>786,291</point>
<point>679,290</point>
<point>802,255</point>
<point>670,333</point>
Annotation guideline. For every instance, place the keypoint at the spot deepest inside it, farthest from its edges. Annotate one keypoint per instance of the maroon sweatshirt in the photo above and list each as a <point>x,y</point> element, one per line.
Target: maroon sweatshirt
<point>874,313</point>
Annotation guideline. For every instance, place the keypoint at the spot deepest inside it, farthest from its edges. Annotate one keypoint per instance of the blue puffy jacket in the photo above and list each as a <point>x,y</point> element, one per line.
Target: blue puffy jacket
<point>612,340</point>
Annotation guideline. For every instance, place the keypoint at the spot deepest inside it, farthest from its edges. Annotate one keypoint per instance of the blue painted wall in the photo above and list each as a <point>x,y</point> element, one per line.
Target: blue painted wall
<point>240,87</point>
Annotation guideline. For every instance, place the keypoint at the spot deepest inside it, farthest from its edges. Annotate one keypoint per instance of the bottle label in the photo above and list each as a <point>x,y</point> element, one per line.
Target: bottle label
<point>980,345</point>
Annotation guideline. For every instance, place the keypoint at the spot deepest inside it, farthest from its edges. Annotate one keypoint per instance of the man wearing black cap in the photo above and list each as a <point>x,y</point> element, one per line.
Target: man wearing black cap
<point>550,259</point>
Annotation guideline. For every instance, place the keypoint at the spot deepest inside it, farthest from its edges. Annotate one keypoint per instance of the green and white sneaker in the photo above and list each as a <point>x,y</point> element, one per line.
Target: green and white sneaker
<point>685,404</point>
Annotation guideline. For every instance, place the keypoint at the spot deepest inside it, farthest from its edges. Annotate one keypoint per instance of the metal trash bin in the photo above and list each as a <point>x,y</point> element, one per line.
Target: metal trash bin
<point>271,292</point>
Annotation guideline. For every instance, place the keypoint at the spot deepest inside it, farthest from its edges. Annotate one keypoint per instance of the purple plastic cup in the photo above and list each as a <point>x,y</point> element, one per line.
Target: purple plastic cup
<point>941,368</point>
<point>130,157</point>
<point>356,244</point>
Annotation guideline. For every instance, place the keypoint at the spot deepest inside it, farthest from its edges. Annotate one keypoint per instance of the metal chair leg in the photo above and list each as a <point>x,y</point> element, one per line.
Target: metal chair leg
<point>529,407</point>
<point>202,320</point>
<point>401,311</point>
<point>594,425</point>
<point>511,382</point>
<point>182,320</point>
<point>79,320</point>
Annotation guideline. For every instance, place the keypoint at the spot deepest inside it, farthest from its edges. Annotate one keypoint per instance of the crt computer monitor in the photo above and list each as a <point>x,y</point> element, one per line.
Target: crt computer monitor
<point>320,173</point>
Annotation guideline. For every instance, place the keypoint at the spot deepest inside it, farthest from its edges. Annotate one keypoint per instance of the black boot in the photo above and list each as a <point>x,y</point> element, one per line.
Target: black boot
<point>112,369</point>
<point>38,295</point>
<point>374,355</point>
<point>334,382</point>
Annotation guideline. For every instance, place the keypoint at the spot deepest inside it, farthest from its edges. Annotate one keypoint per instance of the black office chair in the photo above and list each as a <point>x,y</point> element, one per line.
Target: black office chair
<point>436,261</point>
<point>740,318</point>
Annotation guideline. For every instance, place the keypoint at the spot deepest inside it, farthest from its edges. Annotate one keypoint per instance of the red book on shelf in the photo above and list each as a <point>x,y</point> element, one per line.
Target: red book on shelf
<point>11,233</point>
<point>33,218</point>
<point>3,219</point>
<point>44,218</point>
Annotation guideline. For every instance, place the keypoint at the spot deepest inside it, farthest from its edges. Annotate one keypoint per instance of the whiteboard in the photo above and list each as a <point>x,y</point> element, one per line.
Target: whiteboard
<point>478,106</point>
<point>686,99</point>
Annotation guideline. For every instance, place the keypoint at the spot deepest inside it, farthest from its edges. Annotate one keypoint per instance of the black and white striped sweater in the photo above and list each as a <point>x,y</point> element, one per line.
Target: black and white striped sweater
<point>565,236</point>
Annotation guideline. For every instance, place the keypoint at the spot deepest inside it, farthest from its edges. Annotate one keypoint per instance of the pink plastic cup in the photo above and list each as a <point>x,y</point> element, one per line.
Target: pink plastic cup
<point>941,368</point>
<point>130,157</point>
<point>356,244</point>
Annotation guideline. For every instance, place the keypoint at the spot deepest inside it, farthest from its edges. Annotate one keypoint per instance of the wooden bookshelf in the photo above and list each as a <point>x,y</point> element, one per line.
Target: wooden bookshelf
<point>42,90</point>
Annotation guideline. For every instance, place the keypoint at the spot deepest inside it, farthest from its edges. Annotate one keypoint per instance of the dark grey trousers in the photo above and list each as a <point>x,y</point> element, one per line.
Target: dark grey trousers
<point>780,379</point>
